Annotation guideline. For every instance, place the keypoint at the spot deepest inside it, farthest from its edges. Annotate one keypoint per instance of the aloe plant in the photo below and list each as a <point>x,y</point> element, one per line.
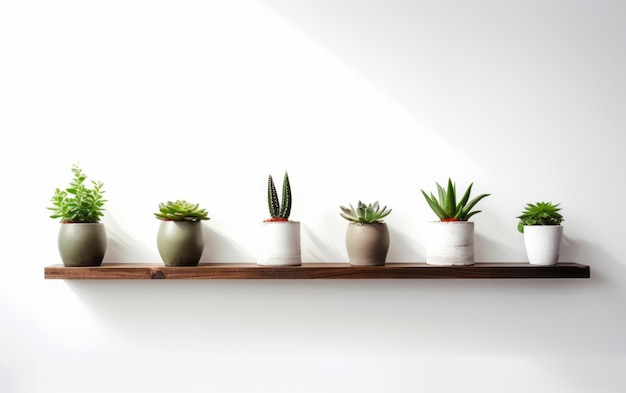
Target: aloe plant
<point>447,208</point>
<point>540,213</point>
<point>365,213</point>
<point>78,203</point>
<point>279,210</point>
<point>181,210</point>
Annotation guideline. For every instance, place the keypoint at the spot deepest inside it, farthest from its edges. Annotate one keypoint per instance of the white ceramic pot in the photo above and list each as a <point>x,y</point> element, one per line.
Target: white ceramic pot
<point>542,243</point>
<point>280,244</point>
<point>450,243</point>
<point>367,244</point>
<point>82,244</point>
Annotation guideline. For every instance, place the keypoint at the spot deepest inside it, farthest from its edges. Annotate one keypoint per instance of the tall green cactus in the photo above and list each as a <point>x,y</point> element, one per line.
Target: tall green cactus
<point>279,210</point>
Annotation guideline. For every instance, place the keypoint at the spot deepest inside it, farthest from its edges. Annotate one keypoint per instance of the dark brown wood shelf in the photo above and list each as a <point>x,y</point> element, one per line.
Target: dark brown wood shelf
<point>225,271</point>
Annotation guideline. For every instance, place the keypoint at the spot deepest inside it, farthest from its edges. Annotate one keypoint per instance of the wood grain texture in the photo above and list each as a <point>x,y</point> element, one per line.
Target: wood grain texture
<point>225,271</point>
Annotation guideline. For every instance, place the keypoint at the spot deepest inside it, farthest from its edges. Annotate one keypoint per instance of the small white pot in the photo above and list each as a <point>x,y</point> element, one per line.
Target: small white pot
<point>280,244</point>
<point>542,243</point>
<point>450,243</point>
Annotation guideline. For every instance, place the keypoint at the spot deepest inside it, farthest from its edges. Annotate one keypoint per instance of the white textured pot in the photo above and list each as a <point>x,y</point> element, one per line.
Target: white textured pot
<point>82,244</point>
<point>367,244</point>
<point>542,243</point>
<point>450,243</point>
<point>280,244</point>
<point>180,243</point>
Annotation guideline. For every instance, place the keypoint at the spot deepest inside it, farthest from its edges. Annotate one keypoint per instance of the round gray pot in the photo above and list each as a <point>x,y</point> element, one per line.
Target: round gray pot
<point>367,244</point>
<point>82,244</point>
<point>180,243</point>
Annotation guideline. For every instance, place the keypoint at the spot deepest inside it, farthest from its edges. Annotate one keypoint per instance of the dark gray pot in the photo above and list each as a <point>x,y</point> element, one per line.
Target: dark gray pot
<point>367,244</point>
<point>180,243</point>
<point>82,244</point>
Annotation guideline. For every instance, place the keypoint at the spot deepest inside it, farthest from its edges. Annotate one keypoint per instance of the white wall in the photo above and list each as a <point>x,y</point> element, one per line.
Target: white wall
<point>371,100</point>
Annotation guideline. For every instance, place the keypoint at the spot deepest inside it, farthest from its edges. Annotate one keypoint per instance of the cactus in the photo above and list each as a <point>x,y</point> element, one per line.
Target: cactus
<point>365,214</point>
<point>181,210</point>
<point>279,210</point>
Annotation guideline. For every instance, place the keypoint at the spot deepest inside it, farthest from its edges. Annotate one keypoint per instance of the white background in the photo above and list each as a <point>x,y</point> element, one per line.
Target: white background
<point>370,100</point>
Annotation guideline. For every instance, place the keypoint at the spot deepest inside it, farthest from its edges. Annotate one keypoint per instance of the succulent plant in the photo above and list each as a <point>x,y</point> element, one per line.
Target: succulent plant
<point>78,203</point>
<point>365,213</point>
<point>447,208</point>
<point>181,210</point>
<point>279,210</point>
<point>540,213</point>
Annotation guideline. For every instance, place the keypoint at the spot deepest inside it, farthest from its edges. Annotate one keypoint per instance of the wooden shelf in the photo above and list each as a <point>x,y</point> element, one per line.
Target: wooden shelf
<point>225,271</point>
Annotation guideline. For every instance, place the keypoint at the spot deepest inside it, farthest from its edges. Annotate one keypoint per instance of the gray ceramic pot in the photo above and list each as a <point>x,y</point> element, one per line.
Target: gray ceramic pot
<point>82,244</point>
<point>367,244</point>
<point>180,243</point>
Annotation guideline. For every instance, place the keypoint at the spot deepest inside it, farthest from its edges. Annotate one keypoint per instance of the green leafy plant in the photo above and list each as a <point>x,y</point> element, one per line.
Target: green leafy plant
<point>279,210</point>
<point>365,213</point>
<point>181,210</point>
<point>78,203</point>
<point>447,208</point>
<point>540,213</point>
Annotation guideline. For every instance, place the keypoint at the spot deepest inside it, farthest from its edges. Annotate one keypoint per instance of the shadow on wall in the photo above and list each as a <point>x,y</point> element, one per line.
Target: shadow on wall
<point>497,250</point>
<point>219,248</point>
<point>123,248</point>
<point>469,317</point>
<point>317,249</point>
<point>606,270</point>
<point>403,248</point>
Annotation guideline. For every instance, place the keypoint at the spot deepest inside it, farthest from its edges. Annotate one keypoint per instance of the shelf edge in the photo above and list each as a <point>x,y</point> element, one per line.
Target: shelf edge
<point>222,271</point>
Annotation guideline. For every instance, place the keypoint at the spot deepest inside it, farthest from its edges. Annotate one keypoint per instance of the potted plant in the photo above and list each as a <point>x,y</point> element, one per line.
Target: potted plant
<point>82,239</point>
<point>367,236</point>
<point>280,236</point>
<point>179,239</point>
<point>451,239</point>
<point>541,225</point>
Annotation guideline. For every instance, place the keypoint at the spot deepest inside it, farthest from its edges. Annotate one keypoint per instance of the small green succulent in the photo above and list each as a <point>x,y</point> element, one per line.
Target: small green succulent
<point>365,213</point>
<point>447,208</point>
<point>279,210</point>
<point>540,213</point>
<point>181,210</point>
<point>78,203</point>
